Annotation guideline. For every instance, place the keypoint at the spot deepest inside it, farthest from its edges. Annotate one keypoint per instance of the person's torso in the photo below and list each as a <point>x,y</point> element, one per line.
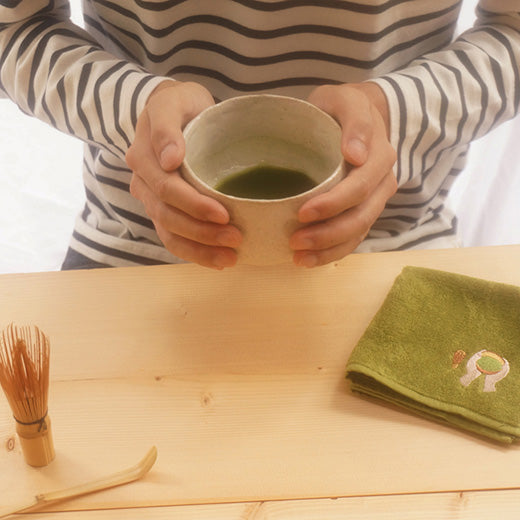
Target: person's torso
<point>280,46</point>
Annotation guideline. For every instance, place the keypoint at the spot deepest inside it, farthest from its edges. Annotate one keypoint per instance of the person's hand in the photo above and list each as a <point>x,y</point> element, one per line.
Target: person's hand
<point>339,220</point>
<point>192,226</point>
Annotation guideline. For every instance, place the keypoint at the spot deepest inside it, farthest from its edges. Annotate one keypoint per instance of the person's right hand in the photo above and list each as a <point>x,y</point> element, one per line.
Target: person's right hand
<point>192,226</point>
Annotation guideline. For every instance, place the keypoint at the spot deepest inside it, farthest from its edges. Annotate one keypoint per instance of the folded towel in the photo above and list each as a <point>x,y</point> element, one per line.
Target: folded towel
<point>446,346</point>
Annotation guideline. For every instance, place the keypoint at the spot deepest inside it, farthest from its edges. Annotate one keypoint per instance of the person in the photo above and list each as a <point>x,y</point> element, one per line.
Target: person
<point>409,96</point>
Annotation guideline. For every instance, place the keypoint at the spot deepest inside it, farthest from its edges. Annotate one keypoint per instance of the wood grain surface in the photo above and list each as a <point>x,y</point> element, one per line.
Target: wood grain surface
<point>238,378</point>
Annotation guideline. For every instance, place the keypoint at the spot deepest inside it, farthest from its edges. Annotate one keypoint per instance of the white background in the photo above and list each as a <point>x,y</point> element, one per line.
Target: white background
<point>41,191</point>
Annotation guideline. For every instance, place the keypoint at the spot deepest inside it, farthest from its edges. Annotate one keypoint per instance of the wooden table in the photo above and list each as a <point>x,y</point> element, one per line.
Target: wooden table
<point>238,378</point>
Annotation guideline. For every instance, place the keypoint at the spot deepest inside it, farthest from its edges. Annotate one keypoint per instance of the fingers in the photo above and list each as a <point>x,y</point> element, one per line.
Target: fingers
<point>191,251</point>
<point>339,220</point>
<point>171,190</point>
<point>173,218</point>
<point>339,236</point>
<point>192,226</point>
<point>205,243</point>
<point>358,185</point>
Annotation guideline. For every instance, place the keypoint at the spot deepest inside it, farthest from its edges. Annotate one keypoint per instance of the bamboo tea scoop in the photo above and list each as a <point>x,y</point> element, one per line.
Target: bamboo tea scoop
<point>117,479</point>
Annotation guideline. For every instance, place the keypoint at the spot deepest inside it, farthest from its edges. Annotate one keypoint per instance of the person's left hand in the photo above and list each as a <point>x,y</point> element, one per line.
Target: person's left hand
<point>339,220</point>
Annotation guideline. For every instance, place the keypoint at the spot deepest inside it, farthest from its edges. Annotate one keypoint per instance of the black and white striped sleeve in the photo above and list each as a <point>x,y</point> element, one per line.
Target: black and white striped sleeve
<point>55,71</point>
<point>448,98</point>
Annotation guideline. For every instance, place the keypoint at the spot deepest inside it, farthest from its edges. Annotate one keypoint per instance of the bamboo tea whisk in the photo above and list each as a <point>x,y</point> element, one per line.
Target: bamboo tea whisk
<point>24,376</point>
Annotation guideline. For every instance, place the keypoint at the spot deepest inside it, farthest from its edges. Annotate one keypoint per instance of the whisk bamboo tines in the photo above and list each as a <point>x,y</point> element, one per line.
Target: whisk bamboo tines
<point>24,377</point>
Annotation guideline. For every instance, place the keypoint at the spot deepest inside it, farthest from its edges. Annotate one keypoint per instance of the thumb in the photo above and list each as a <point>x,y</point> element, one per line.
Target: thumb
<point>171,154</point>
<point>355,118</point>
<point>166,137</point>
<point>351,108</point>
<point>354,149</point>
<point>170,108</point>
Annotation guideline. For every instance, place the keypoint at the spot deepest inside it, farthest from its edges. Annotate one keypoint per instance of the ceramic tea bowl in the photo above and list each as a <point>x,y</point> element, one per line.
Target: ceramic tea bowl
<point>251,130</point>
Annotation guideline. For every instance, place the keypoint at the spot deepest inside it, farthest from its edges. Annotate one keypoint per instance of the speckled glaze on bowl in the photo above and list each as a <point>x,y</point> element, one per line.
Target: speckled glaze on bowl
<point>249,130</point>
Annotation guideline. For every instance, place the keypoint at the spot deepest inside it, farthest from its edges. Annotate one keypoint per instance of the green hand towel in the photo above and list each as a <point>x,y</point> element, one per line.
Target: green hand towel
<point>446,346</point>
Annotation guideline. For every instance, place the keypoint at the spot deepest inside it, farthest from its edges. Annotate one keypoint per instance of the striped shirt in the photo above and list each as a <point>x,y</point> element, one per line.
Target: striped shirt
<point>92,83</point>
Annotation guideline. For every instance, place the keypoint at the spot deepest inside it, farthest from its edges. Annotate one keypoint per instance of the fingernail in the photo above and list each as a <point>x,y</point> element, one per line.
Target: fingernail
<point>168,156</point>
<point>357,151</point>
<point>222,260</point>
<point>309,215</point>
<point>303,243</point>
<point>228,238</point>
<point>309,260</point>
<point>218,216</point>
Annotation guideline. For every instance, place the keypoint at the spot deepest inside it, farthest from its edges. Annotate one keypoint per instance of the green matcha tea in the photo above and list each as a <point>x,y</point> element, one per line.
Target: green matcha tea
<point>266,182</point>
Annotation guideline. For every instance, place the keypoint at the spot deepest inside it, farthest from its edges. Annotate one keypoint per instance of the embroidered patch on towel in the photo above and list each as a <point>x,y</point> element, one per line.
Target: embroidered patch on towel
<point>458,357</point>
<point>484,363</point>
